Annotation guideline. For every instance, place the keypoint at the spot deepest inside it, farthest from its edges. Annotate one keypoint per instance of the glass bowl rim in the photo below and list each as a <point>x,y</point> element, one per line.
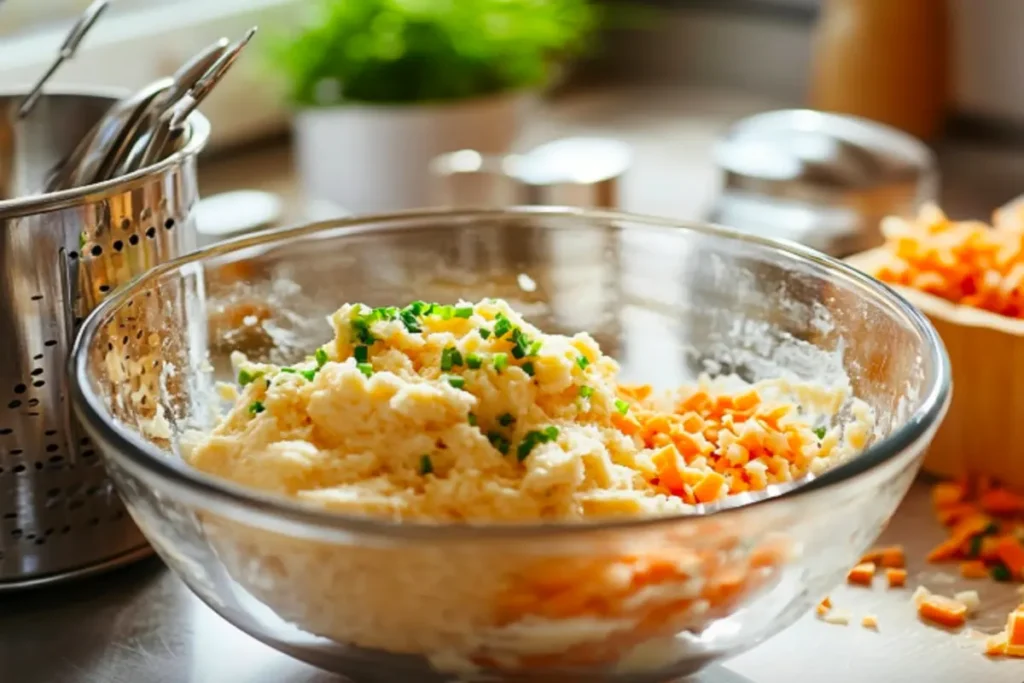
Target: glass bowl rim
<point>177,474</point>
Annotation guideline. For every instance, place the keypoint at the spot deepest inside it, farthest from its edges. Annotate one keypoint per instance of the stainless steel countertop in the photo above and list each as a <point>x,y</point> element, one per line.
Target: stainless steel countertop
<point>142,625</point>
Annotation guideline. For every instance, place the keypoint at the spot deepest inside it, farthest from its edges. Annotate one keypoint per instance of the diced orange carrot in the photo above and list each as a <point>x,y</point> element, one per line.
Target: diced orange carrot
<point>1011,552</point>
<point>710,487</point>
<point>1015,628</point>
<point>869,621</point>
<point>826,602</point>
<point>897,578</point>
<point>949,549</point>
<point>823,607</point>
<point>973,569</point>
<point>627,424</point>
<point>995,646</point>
<point>862,574</point>
<point>658,424</point>
<point>989,548</point>
<point>970,526</point>
<point>943,611</point>
<point>999,501</point>
<point>873,555</point>
<point>893,557</point>
<point>948,493</point>
<point>747,400</point>
<point>667,461</point>
<point>950,515</point>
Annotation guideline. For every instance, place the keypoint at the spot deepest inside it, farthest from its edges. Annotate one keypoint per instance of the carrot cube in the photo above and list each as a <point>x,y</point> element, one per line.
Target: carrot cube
<point>1011,552</point>
<point>862,574</point>
<point>995,646</point>
<point>945,551</point>
<point>948,493</point>
<point>973,569</point>
<point>893,557</point>
<point>1015,628</point>
<point>897,578</point>
<point>943,611</point>
<point>1001,502</point>
<point>710,487</point>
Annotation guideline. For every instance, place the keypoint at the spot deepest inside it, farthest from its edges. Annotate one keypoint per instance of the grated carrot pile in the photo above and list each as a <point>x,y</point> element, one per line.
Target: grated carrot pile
<point>716,444</point>
<point>966,262</point>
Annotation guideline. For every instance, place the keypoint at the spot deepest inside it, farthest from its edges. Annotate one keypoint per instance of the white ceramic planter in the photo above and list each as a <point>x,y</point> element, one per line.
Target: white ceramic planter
<point>371,159</point>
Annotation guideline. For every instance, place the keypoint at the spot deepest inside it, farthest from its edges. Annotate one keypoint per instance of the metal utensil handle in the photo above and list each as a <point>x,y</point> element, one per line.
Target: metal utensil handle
<point>67,51</point>
<point>172,123</point>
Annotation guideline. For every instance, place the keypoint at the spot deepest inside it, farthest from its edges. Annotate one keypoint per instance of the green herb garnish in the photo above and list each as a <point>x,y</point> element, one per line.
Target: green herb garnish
<point>471,418</point>
<point>360,353</point>
<point>532,439</point>
<point>245,377</point>
<point>290,371</point>
<point>1001,572</point>
<point>975,547</point>
<point>464,312</point>
<point>820,432</point>
<point>426,465</point>
<point>412,324</point>
<point>450,357</point>
<point>621,406</point>
<point>445,312</point>
<point>365,368</point>
<point>586,392</point>
<point>484,333</point>
<point>457,382</point>
<point>583,362</point>
<point>528,368</point>
<point>256,407</point>
<point>506,419</point>
<point>500,361</point>
<point>473,361</point>
<point>502,326</point>
<point>308,374</point>
<point>499,442</point>
<point>361,329</point>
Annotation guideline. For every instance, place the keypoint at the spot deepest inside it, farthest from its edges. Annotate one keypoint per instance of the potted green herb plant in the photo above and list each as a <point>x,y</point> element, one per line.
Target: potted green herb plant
<point>381,87</point>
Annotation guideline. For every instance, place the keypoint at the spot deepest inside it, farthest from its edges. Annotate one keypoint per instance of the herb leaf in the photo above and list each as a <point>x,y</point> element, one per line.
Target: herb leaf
<point>426,465</point>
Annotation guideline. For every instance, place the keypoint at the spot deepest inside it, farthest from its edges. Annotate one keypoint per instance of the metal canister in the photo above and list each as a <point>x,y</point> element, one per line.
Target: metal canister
<point>825,180</point>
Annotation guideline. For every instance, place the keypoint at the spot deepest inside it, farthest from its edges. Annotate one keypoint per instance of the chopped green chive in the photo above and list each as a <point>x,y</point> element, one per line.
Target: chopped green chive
<point>361,354</point>
<point>1001,573</point>
<point>991,529</point>
<point>321,358</point>
<point>408,319</point>
<point>499,442</point>
<point>446,312</point>
<point>502,326</point>
<point>621,406</point>
<point>450,357</point>
<point>532,439</point>
<point>506,419</point>
<point>290,371</point>
<point>583,362</point>
<point>365,368</point>
<point>586,392</point>
<point>820,432</point>
<point>500,361</point>
<point>426,465</point>
<point>534,348</point>
<point>528,368</point>
<point>361,330</point>
<point>457,382</point>
<point>417,308</point>
<point>256,407</point>
<point>975,548</point>
<point>463,311</point>
<point>245,377</point>
<point>484,333</point>
<point>471,418</point>
<point>473,361</point>
<point>308,374</point>
<point>385,313</point>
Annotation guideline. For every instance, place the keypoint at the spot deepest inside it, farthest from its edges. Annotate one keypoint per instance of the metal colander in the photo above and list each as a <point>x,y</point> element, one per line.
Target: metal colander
<point>60,254</point>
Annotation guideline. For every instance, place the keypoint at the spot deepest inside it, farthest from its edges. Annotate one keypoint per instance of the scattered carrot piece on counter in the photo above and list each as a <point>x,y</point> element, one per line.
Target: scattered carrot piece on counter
<point>824,606</point>
<point>1015,633</point>
<point>942,611</point>
<point>1011,552</point>
<point>973,569</point>
<point>869,621</point>
<point>890,556</point>
<point>897,578</point>
<point>862,574</point>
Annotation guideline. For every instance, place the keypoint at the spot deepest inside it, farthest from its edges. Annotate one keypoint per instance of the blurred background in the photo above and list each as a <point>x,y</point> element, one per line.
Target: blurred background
<point>665,79</point>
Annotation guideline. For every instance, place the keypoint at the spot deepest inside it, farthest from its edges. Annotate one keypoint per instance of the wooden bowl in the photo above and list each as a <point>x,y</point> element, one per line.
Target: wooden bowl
<point>983,433</point>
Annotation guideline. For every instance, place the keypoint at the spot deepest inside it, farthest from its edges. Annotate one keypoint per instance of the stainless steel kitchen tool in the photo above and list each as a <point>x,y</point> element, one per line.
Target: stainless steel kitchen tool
<point>60,254</point>
<point>67,51</point>
<point>84,164</point>
<point>129,153</point>
<point>579,171</point>
<point>171,124</point>
<point>825,180</point>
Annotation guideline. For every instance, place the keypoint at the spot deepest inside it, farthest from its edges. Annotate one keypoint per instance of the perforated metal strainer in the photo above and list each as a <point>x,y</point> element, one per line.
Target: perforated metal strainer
<point>60,254</point>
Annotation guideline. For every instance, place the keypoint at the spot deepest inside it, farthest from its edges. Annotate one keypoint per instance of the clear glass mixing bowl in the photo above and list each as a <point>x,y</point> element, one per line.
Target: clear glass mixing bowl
<point>638,601</point>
